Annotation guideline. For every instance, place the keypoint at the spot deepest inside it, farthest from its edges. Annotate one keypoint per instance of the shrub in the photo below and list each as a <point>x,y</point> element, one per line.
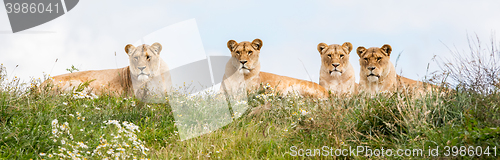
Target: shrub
<point>476,70</point>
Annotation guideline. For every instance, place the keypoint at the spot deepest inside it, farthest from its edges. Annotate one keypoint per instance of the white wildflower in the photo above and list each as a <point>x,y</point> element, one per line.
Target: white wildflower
<point>54,122</point>
<point>303,112</point>
<point>110,151</point>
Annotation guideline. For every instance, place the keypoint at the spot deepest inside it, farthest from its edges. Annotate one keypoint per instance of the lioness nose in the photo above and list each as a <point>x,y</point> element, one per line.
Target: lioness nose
<point>371,68</point>
<point>336,64</point>
<point>141,68</point>
<point>243,62</point>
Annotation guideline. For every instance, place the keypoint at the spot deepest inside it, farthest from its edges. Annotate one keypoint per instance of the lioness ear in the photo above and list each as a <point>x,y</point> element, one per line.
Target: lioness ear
<point>257,44</point>
<point>387,49</point>
<point>348,46</point>
<point>361,50</point>
<point>231,44</point>
<point>156,47</point>
<point>321,47</point>
<point>129,48</point>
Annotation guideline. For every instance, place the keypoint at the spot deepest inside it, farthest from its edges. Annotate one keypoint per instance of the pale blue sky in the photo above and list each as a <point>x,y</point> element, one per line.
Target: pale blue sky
<point>90,34</point>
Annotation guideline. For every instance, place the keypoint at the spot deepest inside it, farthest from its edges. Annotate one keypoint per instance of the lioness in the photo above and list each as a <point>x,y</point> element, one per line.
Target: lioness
<point>147,72</point>
<point>377,73</point>
<point>243,73</point>
<point>336,73</point>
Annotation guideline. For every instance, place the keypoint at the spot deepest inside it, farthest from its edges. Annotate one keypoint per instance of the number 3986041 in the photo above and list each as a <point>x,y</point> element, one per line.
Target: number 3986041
<point>470,151</point>
<point>32,8</point>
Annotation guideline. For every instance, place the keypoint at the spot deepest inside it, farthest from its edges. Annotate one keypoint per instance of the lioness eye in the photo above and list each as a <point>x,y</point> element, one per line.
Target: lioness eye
<point>379,58</point>
<point>366,59</point>
<point>237,52</point>
<point>341,56</point>
<point>249,52</point>
<point>329,56</point>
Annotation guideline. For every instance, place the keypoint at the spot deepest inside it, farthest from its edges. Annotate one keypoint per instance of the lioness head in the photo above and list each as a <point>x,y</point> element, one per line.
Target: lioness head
<point>246,54</point>
<point>374,62</point>
<point>144,61</point>
<point>334,57</point>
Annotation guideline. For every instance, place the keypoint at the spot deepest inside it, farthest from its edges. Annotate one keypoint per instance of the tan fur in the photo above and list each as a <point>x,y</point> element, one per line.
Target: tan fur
<point>243,73</point>
<point>377,73</point>
<point>336,73</point>
<point>383,75</point>
<point>417,87</point>
<point>116,81</point>
<point>126,81</point>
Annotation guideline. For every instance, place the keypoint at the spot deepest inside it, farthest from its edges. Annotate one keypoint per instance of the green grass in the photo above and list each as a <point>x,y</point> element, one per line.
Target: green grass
<point>391,120</point>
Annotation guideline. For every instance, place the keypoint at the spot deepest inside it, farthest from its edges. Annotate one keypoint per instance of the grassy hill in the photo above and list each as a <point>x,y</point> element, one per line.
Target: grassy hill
<point>38,125</point>
<point>463,123</point>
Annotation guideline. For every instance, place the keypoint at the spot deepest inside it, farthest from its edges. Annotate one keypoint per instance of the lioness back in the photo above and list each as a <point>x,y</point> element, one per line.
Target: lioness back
<point>115,81</point>
<point>286,85</point>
